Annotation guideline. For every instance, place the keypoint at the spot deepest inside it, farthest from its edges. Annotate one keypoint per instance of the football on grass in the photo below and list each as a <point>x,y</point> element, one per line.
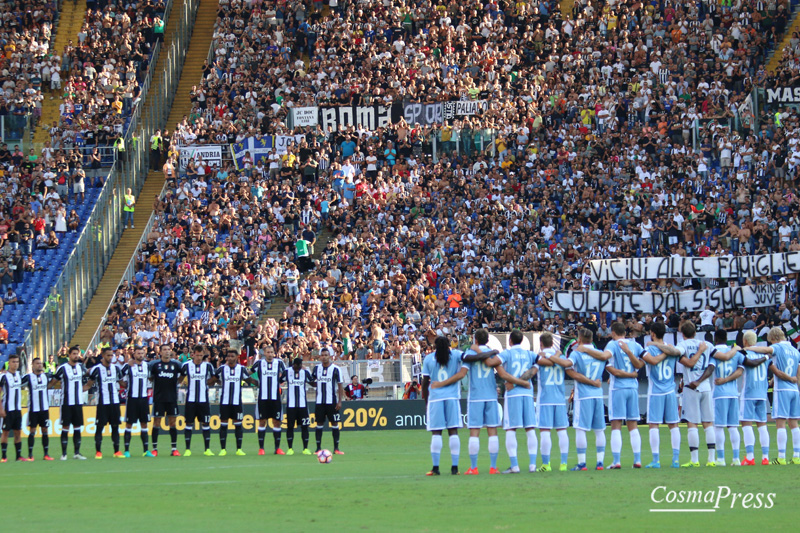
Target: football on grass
<point>324,456</point>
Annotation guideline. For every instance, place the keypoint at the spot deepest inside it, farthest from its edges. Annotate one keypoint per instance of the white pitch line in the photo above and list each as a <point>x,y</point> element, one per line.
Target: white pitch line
<point>79,485</point>
<point>683,510</point>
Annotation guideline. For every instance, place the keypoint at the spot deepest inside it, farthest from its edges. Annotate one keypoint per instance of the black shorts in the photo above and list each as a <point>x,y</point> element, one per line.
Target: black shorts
<point>270,409</point>
<point>39,419</point>
<point>71,415</point>
<point>323,411</point>
<point>297,414</point>
<point>230,412</point>
<point>162,409</point>
<point>12,421</point>
<point>108,414</point>
<point>137,410</point>
<point>199,411</point>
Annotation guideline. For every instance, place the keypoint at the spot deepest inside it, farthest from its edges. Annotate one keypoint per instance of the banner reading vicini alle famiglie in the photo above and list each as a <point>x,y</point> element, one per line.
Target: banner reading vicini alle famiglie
<point>724,267</point>
<point>750,296</point>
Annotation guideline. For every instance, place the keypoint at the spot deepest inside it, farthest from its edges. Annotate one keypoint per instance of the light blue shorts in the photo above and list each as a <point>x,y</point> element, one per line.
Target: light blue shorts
<point>444,414</point>
<point>785,404</point>
<point>623,404</point>
<point>753,410</point>
<point>552,416</point>
<point>726,412</point>
<point>588,414</point>
<point>483,414</point>
<point>662,409</point>
<point>519,412</point>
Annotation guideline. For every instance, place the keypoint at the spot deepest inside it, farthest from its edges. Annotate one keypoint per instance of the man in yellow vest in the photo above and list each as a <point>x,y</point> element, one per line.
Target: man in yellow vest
<point>155,150</point>
<point>130,202</point>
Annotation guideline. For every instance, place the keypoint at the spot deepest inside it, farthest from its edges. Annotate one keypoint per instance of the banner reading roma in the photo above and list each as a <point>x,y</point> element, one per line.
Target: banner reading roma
<point>725,267</point>
<point>750,296</point>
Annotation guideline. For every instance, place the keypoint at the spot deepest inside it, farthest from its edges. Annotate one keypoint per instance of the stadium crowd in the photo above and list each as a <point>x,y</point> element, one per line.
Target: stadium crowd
<point>585,151</point>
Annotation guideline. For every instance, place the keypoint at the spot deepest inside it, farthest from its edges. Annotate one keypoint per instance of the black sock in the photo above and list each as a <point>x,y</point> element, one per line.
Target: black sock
<point>173,436</point>
<point>144,439</point>
<point>223,436</point>
<point>155,437</point>
<point>335,432</point>
<point>304,433</point>
<point>45,441</point>
<point>237,430</point>
<point>115,438</point>
<point>18,449</point>
<point>261,433</point>
<point>289,437</point>
<point>31,439</point>
<point>187,437</point>
<point>127,439</point>
<point>64,441</point>
<point>98,439</point>
<point>276,434</point>
<point>76,440</point>
<point>4,449</point>
<point>319,439</point>
<point>207,437</point>
<point>454,469</point>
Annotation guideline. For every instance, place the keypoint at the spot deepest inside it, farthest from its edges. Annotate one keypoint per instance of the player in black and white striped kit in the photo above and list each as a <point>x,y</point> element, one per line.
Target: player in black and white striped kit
<point>11,407</point>
<point>296,404</point>
<point>137,405</point>
<point>198,374</point>
<point>72,376</point>
<point>230,377</point>
<point>329,382</point>
<point>37,383</point>
<point>107,377</point>
<point>270,372</point>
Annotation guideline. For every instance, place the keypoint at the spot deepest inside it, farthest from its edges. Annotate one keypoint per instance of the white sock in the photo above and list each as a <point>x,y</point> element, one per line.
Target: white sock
<point>616,441</point>
<point>763,437</point>
<point>693,436</point>
<point>675,438</point>
<point>796,441</point>
<point>749,440</point>
<point>563,441</point>
<point>455,448</point>
<point>711,442</point>
<point>782,439</point>
<point>533,446</point>
<point>636,441</point>
<point>547,444</point>
<point>720,443</point>
<point>600,444</point>
<point>736,441</point>
<point>655,441</point>
<point>436,444</point>
<point>511,444</point>
<point>580,444</point>
<point>494,444</point>
<point>474,445</point>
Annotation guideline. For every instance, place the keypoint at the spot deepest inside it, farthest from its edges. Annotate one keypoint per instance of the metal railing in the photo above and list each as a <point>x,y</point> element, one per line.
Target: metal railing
<point>73,290</point>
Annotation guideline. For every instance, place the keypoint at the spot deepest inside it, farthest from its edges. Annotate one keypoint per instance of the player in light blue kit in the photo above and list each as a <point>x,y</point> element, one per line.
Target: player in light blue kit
<point>443,405</point>
<point>785,366</point>
<point>622,358</point>
<point>587,372</point>
<point>727,365</point>
<point>753,402</point>
<point>551,407</point>
<point>662,400</point>
<point>519,409</point>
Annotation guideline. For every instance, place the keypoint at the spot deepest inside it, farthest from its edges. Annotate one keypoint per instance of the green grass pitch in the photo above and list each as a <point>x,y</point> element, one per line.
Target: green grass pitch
<point>379,485</point>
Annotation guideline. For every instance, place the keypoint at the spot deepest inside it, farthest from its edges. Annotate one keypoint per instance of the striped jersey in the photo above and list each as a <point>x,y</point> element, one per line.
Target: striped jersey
<point>231,384</point>
<point>198,376</point>
<point>327,383</point>
<point>138,377</point>
<point>107,380</point>
<point>269,377</point>
<point>38,399</point>
<point>11,384</point>
<point>72,379</point>
<point>296,388</point>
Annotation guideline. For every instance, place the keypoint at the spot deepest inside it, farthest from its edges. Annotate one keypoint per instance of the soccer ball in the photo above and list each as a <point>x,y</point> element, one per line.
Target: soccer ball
<point>324,456</point>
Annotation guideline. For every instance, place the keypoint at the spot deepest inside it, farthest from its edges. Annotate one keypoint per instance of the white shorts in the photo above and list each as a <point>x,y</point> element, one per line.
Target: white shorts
<point>698,407</point>
<point>78,187</point>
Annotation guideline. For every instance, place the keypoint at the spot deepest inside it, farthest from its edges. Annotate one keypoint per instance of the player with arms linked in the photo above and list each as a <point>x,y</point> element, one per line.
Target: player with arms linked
<point>551,407</point>
<point>587,372</point>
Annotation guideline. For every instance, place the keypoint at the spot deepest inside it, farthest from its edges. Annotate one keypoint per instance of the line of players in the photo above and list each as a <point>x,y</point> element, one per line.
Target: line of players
<point>165,374</point>
<point>711,398</point>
